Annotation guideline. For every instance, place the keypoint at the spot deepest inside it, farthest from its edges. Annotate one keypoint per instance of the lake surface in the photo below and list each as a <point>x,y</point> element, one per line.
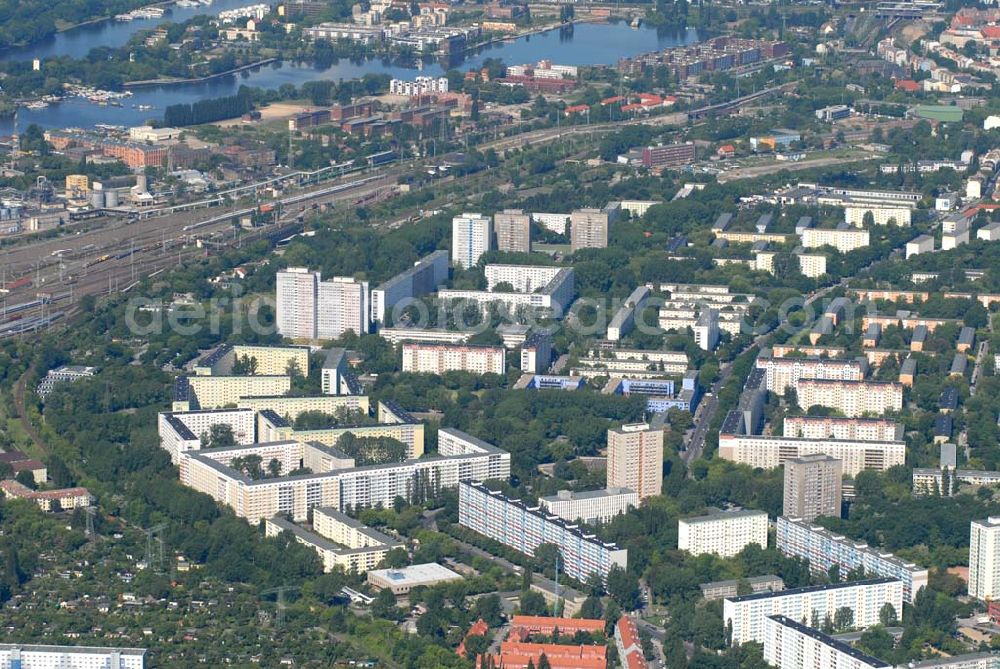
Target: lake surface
<point>585,44</point>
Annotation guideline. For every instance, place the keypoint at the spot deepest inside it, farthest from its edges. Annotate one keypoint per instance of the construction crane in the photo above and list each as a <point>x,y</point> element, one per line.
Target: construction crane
<point>280,597</point>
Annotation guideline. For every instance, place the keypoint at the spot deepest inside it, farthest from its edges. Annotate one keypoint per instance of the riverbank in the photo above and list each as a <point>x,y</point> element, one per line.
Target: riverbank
<point>172,81</point>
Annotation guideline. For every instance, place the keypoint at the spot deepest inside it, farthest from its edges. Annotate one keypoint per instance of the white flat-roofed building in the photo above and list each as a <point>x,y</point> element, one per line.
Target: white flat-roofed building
<point>182,431</point>
<point>216,392</point>
<point>555,222</point>
<point>706,330</point>
<point>264,360</point>
<point>592,506</point>
<point>852,398</point>
<point>419,86</point>
<point>783,374</point>
<point>424,335</point>
<point>623,321</point>
<point>747,615</point>
<point>918,245</point>
<point>925,480</point>
<point>424,277</point>
<point>954,239</point>
<point>37,656</point>
<point>984,558</point>
<point>812,264</point>
<point>357,559</point>
<point>289,407</point>
<point>524,528</point>
<point>401,581</point>
<point>341,487</point>
<point>731,587</point>
<point>824,549</point>
<point>844,240</point>
<point>724,534</point>
<point>471,237</point>
<point>788,644</point>
<point>522,278</point>
<point>989,232</point>
<point>986,660</point>
<point>855,213</point>
<point>536,353</point>
<point>441,358</point>
<point>768,452</point>
<point>536,287</point>
<point>827,427</point>
<point>63,374</point>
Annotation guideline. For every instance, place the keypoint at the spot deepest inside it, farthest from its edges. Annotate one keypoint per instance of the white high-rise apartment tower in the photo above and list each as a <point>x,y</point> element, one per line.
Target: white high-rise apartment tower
<point>342,306</point>
<point>310,308</point>
<point>984,558</point>
<point>296,303</point>
<point>471,237</point>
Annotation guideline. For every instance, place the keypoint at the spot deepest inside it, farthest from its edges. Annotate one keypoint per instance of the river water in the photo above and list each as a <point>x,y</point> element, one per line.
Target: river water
<point>584,44</point>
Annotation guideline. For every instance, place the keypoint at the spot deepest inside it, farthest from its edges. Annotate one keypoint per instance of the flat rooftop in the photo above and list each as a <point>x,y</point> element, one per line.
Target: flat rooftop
<point>429,572</point>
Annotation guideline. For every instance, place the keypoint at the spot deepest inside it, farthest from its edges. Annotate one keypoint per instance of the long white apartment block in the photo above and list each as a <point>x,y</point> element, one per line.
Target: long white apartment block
<point>747,615</point>
<point>216,392</point>
<point>623,321</point>
<point>360,558</point>
<point>724,534</point>
<point>984,558</point>
<point>557,223</point>
<point>591,506</point>
<point>854,214</point>
<point>842,239</point>
<point>342,486</point>
<point>524,528</point>
<point>829,427</point>
<point>984,660</point>
<point>783,374</point>
<point>394,422</point>
<point>265,360</point>
<point>824,549</point>
<point>536,287</point>
<point>925,479</point>
<point>768,452</point>
<point>788,644</point>
<point>852,398</point>
<point>38,656</point>
<point>424,277</point>
<point>441,358</point>
<point>290,406</point>
<point>425,335</point>
<point>182,431</point>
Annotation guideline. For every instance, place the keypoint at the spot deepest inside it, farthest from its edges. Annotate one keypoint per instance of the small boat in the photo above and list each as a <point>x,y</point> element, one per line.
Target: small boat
<point>145,107</point>
<point>37,104</point>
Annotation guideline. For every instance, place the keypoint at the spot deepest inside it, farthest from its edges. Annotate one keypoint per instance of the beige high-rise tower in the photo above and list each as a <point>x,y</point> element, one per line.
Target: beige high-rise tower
<point>635,459</point>
<point>513,231</point>
<point>813,486</point>
<point>589,229</point>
